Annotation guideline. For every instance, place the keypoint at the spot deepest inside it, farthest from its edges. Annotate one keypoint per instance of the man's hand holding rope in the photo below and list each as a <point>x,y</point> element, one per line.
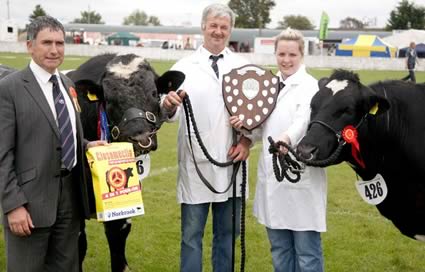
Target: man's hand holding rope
<point>173,100</point>
<point>240,151</point>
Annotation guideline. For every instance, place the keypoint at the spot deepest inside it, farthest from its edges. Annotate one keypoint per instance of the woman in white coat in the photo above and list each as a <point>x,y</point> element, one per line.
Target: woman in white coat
<point>294,213</point>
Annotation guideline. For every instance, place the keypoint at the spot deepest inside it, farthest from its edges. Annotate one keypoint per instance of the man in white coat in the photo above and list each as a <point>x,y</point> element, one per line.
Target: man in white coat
<point>204,70</point>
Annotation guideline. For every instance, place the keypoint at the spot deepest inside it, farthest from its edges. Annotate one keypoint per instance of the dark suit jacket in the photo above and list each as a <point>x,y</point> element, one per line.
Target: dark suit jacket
<point>30,151</point>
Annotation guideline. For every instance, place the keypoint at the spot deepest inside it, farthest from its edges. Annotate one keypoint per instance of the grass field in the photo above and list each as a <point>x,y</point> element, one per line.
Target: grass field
<point>358,238</point>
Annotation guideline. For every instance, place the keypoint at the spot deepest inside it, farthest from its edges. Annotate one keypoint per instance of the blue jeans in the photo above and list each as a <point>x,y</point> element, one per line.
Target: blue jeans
<point>194,217</point>
<point>298,251</point>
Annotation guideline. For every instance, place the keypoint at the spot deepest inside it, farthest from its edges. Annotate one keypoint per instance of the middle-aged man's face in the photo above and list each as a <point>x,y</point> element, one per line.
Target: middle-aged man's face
<point>216,33</point>
<point>288,57</point>
<point>47,50</point>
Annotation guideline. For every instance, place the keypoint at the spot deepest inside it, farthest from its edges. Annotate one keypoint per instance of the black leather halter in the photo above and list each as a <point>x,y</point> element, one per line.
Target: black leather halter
<point>131,114</point>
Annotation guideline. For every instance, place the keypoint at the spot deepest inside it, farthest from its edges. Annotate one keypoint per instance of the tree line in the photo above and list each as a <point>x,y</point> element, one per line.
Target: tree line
<point>256,14</point>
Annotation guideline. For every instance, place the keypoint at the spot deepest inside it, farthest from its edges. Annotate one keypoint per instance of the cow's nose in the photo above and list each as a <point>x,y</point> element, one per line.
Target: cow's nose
<point>307,151</point>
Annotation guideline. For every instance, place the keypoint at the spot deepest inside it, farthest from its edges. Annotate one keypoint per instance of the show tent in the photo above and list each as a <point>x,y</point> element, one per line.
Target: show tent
<point>122,38</point>
<point>365,46</point>
<point>403,38</point>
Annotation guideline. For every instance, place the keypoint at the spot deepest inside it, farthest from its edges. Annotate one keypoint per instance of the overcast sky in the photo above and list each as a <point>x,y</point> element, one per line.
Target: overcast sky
<point>178,12</point>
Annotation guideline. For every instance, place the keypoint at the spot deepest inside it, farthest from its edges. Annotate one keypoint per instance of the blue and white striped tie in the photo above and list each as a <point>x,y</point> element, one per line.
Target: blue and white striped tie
<point>64,124</point>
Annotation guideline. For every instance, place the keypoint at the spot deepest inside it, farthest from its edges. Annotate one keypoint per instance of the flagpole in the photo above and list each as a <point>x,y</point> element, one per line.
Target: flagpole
<point>323,31</point>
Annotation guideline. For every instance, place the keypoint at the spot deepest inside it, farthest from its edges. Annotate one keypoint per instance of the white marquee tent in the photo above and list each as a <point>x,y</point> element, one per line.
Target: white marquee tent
<point>402,39</point>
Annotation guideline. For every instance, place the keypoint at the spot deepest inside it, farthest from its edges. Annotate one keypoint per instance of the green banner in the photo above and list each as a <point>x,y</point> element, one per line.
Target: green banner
<point>324,21</point>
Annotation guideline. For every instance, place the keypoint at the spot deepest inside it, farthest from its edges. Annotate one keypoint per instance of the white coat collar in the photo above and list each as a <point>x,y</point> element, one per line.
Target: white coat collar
<point>297,78</point>
<point>202,58</point>
<point>202,55</point>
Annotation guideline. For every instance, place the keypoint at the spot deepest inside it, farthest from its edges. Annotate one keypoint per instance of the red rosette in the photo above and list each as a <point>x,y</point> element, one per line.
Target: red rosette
<point>72,92</point>
<point>349,134</point>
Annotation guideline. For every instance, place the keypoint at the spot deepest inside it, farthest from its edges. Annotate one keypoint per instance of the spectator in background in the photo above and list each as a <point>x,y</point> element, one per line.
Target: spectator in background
<point>188,44</point>
<point>411,60</point>
<point>77,39</point>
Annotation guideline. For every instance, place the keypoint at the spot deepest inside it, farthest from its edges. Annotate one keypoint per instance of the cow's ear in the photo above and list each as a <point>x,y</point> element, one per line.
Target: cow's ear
<point>169,81</point>
<point>90,74</point>
<point>376,104</point>
<point>91,92</point>
<point>92,82</point>
<point>323,82</point>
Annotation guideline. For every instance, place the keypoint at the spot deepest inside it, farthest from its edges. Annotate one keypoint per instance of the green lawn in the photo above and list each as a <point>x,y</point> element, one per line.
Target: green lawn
<point>358,238</point>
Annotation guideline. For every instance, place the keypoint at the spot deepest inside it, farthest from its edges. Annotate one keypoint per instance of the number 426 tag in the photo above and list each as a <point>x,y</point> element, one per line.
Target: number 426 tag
<point>373,191</point>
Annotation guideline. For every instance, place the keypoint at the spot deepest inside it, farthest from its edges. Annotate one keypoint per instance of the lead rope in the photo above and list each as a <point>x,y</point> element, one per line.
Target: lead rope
<point>319,163</point>
<point>282,163</point>
<point>190,118</point>
<point>243,205</point>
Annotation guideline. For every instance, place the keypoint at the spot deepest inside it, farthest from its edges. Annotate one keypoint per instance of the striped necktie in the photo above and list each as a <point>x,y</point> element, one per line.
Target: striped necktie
<point>214,63</point>
<point>64,124</point>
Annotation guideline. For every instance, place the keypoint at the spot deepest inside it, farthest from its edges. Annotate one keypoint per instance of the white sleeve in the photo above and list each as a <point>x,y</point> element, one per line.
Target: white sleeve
<point>299,124</point>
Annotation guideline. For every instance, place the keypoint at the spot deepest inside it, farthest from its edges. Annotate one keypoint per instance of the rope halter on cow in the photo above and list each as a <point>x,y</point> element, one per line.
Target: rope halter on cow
<point>288,164</point>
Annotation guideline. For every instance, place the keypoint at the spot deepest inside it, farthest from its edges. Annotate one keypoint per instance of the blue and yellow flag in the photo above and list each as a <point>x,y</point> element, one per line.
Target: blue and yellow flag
<point>324,21</point>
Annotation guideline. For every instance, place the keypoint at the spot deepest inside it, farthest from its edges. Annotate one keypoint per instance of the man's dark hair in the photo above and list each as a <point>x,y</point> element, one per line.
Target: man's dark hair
<point>42,22</point>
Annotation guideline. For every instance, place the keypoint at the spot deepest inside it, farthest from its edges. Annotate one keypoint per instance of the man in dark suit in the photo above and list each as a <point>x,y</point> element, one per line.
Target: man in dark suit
<point>42,175</point>
<point>411,60</point>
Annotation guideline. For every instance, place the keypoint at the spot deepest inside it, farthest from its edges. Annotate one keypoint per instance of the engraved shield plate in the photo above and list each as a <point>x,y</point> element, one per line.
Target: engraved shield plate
<point>250,92</point>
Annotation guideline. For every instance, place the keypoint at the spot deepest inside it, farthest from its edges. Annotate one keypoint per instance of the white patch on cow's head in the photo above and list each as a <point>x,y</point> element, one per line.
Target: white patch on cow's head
<point>337,85</point>
<point>420,237</point>
<point>125,70</point>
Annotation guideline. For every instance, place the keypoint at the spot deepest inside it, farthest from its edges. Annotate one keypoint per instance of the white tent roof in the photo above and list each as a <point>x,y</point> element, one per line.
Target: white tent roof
<point>403,39</point>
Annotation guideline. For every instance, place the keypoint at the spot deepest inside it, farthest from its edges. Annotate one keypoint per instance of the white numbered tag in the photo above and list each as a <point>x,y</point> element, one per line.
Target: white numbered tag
<point>373,191</point>
<point>143,163</point>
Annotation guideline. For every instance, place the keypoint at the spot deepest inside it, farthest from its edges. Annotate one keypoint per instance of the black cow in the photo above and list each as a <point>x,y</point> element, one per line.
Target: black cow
<point>128,89</point>
<point>391,136</point>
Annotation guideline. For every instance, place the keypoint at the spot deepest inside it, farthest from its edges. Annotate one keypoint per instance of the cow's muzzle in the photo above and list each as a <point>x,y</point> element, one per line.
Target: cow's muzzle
<point>144,143</point>
<point>307,151</point>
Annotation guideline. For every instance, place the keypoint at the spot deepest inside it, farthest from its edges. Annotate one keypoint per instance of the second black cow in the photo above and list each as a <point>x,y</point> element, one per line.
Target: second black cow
<point>379,129</point>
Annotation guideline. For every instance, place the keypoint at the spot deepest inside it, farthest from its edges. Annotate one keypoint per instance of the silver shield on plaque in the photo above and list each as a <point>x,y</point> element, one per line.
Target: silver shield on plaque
<point>250,92</point>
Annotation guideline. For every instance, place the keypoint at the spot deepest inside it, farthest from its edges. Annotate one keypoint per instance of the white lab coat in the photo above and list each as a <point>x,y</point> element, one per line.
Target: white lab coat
<point>283,205</point>
<point>212,118</point>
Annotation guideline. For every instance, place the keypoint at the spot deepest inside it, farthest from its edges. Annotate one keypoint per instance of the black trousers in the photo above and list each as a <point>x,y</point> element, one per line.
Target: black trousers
<point>410,76</point>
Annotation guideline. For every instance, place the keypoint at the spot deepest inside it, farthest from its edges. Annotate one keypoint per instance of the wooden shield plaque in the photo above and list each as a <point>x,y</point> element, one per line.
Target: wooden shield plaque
<point>250,92</point>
